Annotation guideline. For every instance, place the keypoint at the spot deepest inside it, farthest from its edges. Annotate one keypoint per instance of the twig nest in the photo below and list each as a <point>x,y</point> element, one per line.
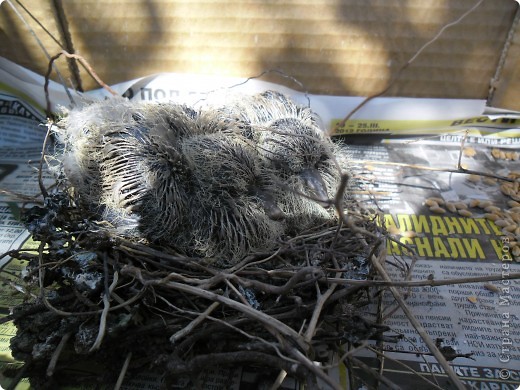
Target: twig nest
<point>216,182</point>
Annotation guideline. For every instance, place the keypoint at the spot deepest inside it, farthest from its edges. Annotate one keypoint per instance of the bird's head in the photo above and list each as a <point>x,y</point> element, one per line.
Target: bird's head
<point>299,150</point>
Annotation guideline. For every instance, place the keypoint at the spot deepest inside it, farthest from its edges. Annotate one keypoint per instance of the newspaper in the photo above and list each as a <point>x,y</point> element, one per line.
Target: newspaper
<point>475,319</point>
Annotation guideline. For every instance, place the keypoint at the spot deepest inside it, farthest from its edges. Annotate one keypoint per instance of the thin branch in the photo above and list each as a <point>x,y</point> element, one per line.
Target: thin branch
<point>403,67</point>
<point>193,324</point>
<point>122,374</point>
<point>425,282</point>
<point>87,66</point>
<point>322,299</point>
<point>427,168</point>
<point>56,354</point>
<point>106,308</point>
<point>43,190</point>
<point>279,380</point>
<point>417,325</point>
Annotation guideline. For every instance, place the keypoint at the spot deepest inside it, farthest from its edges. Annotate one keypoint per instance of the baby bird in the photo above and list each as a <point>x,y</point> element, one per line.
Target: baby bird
<point>288,139</point>
<point>212,183</point>
<point>172,175</point>
<point>233,211</point>
<point>124,162</point>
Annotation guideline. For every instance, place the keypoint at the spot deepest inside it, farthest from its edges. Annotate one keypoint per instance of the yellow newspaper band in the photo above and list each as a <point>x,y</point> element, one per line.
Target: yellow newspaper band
<point>483,124</point>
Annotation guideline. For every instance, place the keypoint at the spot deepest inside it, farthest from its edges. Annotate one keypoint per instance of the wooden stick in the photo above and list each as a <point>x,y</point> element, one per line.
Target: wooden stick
<point>122,374</point>
<point>417,325</point>
<point>193,324</point>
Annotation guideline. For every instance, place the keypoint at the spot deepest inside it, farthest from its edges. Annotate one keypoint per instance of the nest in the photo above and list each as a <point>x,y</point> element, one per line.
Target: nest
<point>121,303</point>
<point>103,295</point>
<point>122,307</point>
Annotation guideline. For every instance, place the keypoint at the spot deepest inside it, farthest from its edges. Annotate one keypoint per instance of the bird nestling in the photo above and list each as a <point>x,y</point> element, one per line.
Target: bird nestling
<point>217,182</point>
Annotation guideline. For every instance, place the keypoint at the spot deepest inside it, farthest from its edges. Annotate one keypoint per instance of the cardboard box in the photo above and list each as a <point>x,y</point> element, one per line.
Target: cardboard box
<point>333,47</point>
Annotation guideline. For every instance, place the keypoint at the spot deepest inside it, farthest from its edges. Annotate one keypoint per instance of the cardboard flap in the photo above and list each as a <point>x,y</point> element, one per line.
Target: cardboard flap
<point>332,47</point>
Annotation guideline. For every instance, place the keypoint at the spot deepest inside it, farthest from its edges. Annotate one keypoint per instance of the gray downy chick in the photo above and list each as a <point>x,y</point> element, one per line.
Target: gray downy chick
<point>122,160</point>
<point>289,140</point>
<point>171,175</point>
<point>80,133</point>
<point>234,211</point>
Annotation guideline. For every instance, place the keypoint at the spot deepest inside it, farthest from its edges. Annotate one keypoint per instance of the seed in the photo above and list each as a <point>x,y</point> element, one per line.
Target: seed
<point>508,219</point>
<point>473,178</point>
<point>506,189</point>
<point>515,217</point>
<point>509,228</point>
<point>439,201</point>
<point>469,152</point>
<point>474,203</point>
<point>491,217</point>
<point>495,153</point>
<point>437,210</point>
<point>513,203</point>
<point>501,223</point>
<point>430,202</point>
<point>515,251</point>
<point>484,204</point>
<point>502,155</point>
<point>512,216</point>
<point>509,155</point>
<point>492,209</point>
<point>450,206</point>
<point>465,213</point>
<point>491,287</point>
<point>473,299</point>
<point>461,205</point>
<point>490,181</point>
<point>409,234</point>
<point>394,230</point>
<point>515,156</point>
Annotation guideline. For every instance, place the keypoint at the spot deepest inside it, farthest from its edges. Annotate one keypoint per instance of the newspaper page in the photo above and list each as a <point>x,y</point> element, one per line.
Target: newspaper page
<point>478,320</point>
<point>21,140</point>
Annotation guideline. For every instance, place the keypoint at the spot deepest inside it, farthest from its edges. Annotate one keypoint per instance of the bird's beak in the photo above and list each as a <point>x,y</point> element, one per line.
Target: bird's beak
<point>314,182</point>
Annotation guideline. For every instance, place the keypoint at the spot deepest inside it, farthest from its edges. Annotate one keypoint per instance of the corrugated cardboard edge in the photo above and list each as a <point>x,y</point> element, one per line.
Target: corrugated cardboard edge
<point>342,48</point>
<point>332,47</point>
<point>505,86</point>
